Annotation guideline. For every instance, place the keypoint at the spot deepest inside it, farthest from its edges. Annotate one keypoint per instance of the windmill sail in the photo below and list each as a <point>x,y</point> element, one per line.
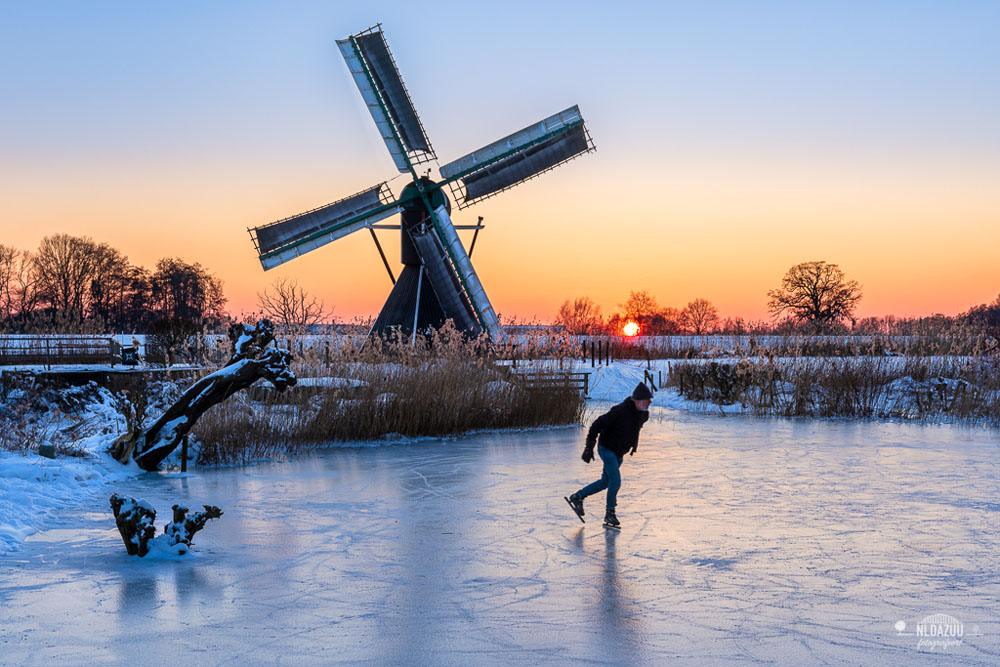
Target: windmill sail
<point>444,282</point>
<point>286,239</point>
<point>470,280</point>
<point>519,156</point>
<point>375,72</point>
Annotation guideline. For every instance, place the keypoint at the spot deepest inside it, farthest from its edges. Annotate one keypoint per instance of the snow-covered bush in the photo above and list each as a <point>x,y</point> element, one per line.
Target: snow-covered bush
<point>965,389</point>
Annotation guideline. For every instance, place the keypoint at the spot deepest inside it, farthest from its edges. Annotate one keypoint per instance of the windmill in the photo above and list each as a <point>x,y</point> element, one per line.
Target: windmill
<point>437,281</point>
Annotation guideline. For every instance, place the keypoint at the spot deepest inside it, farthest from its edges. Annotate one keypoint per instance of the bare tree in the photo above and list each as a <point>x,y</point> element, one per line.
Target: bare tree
<point>581,316</point>
<point>65,267</point>
<point>25,287</point>
<point>8,264</point>
<point>187,291</point>
<point>290,306</point>
<point>111,290</point>
<point>641,307</point>
<point>699,316</point>
<point>815,292</point>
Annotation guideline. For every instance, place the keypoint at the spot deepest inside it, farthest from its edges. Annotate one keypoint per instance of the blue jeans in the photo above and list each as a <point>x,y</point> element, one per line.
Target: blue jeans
<point>611,478</point>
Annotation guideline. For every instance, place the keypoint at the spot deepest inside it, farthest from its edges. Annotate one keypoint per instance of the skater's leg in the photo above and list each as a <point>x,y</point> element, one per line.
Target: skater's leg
<point>612,463</point>
<point>602,483</point>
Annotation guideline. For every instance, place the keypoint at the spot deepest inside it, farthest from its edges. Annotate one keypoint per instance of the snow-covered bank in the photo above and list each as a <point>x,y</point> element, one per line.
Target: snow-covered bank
<point>79,420</point>
<point>34,489</point>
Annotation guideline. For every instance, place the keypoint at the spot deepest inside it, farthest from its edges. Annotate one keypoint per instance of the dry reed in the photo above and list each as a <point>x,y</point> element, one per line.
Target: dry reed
<point>443,384</point>
<point>952,389</point>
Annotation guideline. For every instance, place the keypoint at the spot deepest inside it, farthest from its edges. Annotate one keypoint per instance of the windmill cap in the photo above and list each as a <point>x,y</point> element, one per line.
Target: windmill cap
<point>641,392</point>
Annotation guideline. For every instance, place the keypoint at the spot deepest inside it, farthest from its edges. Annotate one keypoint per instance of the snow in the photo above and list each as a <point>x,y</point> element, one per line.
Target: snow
<point>744,541</point>
<point>34,490</point>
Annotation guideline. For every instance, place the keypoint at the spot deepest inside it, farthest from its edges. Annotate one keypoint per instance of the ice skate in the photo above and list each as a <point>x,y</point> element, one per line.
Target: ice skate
<point>576,502</point>
<point>611,521</point>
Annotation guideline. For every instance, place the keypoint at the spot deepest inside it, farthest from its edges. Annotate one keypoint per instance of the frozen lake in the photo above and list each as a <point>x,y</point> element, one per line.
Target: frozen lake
<point>744,541</point>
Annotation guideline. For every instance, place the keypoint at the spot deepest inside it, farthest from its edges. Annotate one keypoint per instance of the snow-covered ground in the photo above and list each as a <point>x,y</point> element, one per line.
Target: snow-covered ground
<point>745,541</point>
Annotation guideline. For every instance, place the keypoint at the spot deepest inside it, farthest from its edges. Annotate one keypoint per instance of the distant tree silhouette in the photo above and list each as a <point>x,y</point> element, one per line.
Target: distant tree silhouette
<point>290,307</point>
<point>641,307</point>
<point>581,316</point>
<point>65,266</point>
<point>986,316</point>
<point>186,291</point>
<point>700,316</point>
<point>815,292</point>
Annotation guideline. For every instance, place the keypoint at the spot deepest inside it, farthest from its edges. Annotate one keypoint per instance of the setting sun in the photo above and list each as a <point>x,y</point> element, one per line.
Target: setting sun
<point>630,328</point>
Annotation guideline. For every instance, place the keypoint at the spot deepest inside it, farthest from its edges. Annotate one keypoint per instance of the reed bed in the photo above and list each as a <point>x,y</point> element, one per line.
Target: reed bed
<point>387,389</point>
<point>711,346</point>
<point>952,389</point>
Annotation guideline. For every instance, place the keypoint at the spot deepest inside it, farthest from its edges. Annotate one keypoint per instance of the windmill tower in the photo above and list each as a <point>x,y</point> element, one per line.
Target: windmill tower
<point>437,281</point>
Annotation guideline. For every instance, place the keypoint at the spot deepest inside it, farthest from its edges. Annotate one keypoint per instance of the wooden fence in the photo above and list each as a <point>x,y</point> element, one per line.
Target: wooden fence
<point>58,350</point>
<point>552,379</point>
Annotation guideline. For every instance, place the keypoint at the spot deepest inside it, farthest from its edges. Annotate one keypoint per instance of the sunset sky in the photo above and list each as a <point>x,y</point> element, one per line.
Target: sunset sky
<point>734,140</point>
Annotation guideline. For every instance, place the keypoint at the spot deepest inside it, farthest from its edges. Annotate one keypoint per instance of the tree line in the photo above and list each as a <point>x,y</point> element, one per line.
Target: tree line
<point>75,284</point>
<point>813,298</point>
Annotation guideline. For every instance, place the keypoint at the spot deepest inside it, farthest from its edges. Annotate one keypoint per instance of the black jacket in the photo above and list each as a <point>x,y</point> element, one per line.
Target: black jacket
<point>618,428</point>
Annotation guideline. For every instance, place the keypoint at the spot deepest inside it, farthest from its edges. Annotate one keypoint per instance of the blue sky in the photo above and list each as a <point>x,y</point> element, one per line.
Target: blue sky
<point>744,121</point>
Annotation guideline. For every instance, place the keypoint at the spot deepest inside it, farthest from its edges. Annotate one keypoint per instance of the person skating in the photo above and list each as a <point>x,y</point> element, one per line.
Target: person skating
<point>615,433</point>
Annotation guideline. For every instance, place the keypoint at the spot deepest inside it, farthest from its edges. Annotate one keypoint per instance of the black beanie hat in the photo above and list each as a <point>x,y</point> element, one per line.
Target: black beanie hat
<point>641,392</point>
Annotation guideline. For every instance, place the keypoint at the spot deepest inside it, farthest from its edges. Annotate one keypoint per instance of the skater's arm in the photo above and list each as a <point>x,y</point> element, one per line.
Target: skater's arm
<point>599,426</point>
<point>643,417</point>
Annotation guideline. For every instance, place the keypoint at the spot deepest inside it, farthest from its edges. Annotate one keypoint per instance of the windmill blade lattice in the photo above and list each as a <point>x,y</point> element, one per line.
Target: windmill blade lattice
<point>289,238</point>
<point>518,157</point>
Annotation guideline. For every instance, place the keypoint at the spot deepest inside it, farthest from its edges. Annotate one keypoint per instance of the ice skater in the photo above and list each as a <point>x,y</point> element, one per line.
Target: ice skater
<point>618,429</point>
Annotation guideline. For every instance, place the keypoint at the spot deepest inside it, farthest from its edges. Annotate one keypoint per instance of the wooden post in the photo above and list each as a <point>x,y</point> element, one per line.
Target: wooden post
<point>184,455</point>
<point>591,354</point>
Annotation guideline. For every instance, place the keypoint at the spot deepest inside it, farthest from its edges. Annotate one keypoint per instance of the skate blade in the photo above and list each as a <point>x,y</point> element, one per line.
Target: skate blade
<point>612,526</point>
<point>580,516</point>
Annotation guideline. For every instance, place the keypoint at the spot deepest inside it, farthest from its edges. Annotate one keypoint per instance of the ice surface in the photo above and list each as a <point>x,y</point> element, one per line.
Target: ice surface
<point>744,541</point>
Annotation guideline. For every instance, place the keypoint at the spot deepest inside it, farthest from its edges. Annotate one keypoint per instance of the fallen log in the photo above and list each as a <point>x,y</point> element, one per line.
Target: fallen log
<point>250,362</point>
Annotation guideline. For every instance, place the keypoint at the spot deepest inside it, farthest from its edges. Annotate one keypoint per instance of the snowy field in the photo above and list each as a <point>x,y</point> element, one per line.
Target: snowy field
<point>757,541</point>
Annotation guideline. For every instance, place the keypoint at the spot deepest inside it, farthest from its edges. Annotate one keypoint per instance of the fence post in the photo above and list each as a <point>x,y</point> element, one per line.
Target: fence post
<point>184,454</point>
<point>591,354</point>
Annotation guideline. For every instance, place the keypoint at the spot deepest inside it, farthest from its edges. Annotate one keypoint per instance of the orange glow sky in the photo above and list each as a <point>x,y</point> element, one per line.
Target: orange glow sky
<point>732,144</point>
